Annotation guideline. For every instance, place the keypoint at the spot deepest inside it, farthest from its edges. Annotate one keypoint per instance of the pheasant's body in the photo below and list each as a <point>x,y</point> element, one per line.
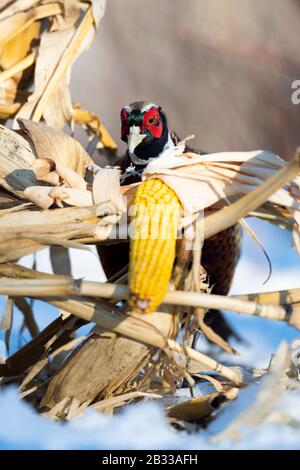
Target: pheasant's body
<point>144,128</point>
<point>220,256</point>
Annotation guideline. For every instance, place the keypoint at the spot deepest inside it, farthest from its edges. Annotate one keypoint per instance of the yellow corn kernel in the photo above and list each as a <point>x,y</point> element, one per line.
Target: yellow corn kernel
<point>155,214</point>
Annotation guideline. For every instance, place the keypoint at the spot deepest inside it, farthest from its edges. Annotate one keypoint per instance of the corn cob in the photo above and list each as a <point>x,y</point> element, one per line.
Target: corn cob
<point>155,217</point>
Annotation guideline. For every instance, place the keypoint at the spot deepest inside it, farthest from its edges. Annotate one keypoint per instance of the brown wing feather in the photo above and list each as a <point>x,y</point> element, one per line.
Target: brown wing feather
<point>220,256</point>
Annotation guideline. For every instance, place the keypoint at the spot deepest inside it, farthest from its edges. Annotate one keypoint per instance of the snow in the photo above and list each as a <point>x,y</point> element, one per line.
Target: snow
<point>143,426</point>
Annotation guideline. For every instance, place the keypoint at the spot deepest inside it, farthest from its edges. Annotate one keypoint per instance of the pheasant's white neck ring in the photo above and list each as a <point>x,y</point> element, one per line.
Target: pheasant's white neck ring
<point>139,161</point>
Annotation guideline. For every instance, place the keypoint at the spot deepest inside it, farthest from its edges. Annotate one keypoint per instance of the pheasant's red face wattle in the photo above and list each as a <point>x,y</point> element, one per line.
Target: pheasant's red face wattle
<point>124,123</point>
<point>152,123</point>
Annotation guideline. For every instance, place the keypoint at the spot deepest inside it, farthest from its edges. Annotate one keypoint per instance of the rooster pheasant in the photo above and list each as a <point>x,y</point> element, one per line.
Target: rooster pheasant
<point>144,129</point>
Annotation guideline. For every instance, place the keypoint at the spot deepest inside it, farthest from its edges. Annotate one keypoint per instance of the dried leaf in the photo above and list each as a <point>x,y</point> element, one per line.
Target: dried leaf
<point>29,319</point>
<point>216,176</point>
<point>74,47</point>
<point>11,26</point>
<point>106,189</point>
<point>259,243</point>
<point>73,197</point>
<point>95,127</point>
<point>67,222</point>
<point>39,365</point>
<point>7,320</point>
<point>121,400</point>
<point>16,208</point>
<point>55,240</point>
<point>16,160</point>
<point>59,109</point>
<point>39,195</point>
<point>268,190</point>
<point>15,56</point>
<point>216,383</point>
<point>55,145</point>
<point>42,167</point>
<point>197,408</point>
<point>211,334</point>
<point>10,7</point>
<point>73,180</point>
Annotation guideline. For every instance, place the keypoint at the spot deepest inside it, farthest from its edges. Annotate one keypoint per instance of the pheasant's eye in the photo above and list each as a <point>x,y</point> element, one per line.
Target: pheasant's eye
<point>153,121</point>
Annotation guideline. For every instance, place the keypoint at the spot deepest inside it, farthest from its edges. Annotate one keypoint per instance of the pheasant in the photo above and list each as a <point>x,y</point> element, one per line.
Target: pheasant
<point>145,130</point>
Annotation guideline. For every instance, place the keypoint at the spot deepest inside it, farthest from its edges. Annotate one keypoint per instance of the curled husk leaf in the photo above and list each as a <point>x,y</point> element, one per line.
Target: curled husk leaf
<point>39,195</point>
<point>73,179</point>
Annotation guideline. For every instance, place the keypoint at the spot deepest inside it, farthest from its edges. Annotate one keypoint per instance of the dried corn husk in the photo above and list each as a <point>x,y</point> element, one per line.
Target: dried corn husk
<point>73,179</point>
<point>16,55</point>
<point>21,168</point>
<point>218,176</point>
<point>23,232</point>
<point>44,169</point>
<point>107,189</point>
<point>74,197</point>
<point>45,196</point>
<point>55,145</point>
<point>9,7</point>
<point>16,160</point>
<point>200,181</point>
<point>40,40</point>
<point>195,409</point>
<point>39,195</point>
<point>94,126</point>
<point>11,26</point>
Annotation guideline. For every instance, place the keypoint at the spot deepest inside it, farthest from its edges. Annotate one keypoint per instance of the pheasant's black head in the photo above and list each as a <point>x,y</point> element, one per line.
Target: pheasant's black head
<point>144,129</point>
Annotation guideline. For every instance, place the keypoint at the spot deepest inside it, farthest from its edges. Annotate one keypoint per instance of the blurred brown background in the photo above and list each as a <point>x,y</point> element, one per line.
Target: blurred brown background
<point>221,69</point>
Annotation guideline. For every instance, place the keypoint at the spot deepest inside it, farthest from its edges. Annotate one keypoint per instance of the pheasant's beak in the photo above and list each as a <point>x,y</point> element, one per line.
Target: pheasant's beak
<point>134,138</point>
